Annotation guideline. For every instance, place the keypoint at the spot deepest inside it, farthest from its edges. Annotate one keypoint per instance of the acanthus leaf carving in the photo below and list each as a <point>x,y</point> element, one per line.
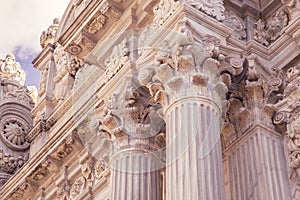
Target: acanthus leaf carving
<point>163,10</point>
<point>213,8</point>
<point>266,32</point>
<point>233,21</point>
<point>117,59</point>
<point>286,118</point>
<point>178,72</point>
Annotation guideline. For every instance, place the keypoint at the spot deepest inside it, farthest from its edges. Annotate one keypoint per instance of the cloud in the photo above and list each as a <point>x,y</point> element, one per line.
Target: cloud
<point>22,23</point>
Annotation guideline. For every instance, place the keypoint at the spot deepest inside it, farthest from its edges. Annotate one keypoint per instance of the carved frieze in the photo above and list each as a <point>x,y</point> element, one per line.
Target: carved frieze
<point>9,164</point>
<point>24,190</point>
<point>74,65</point>
<point>163,10</point>
<point>62,151</point>
<point>96,23</point>
<point>213,8</point>
<point>233,21</point>
<point>117,59</point>
<point>87,37</point>
<point>266,32</point>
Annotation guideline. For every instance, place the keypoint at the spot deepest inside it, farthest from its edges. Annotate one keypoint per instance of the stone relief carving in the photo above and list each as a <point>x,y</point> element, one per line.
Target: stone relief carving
<point>100,167</point>
<point>13,133</point>
<point>74,65</point>
<point>77,188</point>
<point>9,164</point>
<point>163,10</point>
<point>61,59</point>
<point>172,71</point>
<point>23,190</point>
<point>96,23</point>
<point>213,8</point>
<point>270,30</point>
<point>248,93</point>
<point>49,35</point>
<point>287,116</point>
<point>293,7</point>
<point>81,44</point>
<point>85,41</point>
<point>236,23</point>
<point>11,69</point>
<point>62,151</point>
<point>117,59</point>
<point>43,81</point>
<point>66,69</point>
<point>131,114</point>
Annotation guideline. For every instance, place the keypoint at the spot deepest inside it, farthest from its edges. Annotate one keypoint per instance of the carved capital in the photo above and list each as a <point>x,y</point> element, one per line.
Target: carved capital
<point>192,68</point>
<point>288,114</point>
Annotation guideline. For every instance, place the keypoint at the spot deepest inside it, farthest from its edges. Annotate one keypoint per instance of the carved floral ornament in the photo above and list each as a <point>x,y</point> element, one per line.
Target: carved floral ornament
<point>90,173</point>
<point>266,32</point>
<point>236,23</point>
<point>288,115</point>
<point>66,69</point>
<point>13,133</point>
<point>213,8</point>
<point>166,8</point>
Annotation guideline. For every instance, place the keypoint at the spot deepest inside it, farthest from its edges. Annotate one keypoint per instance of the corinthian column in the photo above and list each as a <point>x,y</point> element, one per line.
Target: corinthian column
<point>131,122</point>
<point>287,119</point>
<point>186,85</point>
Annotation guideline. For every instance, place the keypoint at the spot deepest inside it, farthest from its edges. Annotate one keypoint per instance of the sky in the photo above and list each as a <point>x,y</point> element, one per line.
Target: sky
<point>22,22</point>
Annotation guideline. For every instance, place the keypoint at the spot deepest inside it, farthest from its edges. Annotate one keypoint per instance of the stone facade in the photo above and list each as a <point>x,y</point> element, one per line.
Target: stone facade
<point>161,100</point>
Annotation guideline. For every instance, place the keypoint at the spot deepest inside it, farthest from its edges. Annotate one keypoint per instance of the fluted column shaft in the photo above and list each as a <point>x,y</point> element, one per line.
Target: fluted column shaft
<point>135,176</point>
<point>194,158</point>
<point>257,168</point>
